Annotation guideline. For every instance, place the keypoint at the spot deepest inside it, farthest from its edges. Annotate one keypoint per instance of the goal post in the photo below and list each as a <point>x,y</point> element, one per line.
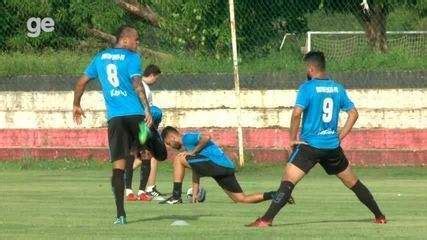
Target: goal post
<point>236,82</point>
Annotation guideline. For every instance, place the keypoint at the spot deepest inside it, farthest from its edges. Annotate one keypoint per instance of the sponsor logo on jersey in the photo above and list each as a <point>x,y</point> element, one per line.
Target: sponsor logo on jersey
<point>118,93</point>
<point>326,132</point>
<point>114,57</point>
<point>326,89</point>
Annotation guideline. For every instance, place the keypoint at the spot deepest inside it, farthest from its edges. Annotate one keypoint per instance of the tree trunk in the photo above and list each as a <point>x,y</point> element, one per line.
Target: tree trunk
<point>143,12</point>
<point>374,23</point>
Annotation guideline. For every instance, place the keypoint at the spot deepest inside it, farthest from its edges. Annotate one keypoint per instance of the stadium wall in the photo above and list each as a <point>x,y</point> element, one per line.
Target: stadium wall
<point>392,128</point>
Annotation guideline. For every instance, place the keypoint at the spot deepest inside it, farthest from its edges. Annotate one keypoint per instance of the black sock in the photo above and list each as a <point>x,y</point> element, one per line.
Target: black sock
<point>365,196</point>
<point>118,185</point>
<point>269,195</point>
<point>177,189</point>
<point>129,172</point>
<point>145,174</point>
<point>280,200</point>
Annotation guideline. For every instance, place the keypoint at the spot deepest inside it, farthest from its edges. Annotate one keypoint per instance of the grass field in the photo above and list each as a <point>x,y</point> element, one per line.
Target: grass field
<point>66,200</point>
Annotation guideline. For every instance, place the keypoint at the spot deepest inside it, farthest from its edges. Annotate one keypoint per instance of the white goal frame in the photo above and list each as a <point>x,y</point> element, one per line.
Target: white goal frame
<point>310,33</point>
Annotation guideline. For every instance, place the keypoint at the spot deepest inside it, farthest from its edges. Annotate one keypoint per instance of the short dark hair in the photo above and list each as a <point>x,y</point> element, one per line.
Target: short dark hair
<point>152,69</point>
<point>167,130</point>
<point>316,58</point>
<point>123,31</point>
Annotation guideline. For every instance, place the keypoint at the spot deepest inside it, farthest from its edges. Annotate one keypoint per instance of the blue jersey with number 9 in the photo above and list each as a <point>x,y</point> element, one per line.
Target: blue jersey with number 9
<point>322,100</point>
<point>115,68</point>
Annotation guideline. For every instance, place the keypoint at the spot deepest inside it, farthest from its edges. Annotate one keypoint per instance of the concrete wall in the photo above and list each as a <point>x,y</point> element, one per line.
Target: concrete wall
<point>393,108</point>
<point>392,128</point>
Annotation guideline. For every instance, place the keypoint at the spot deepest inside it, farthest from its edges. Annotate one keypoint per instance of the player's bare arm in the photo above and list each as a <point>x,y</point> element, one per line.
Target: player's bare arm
<point>293,131</point>
<point>352,117</point>
<point>139,88</point>
<point>200,145</point>
<point>79,89</point>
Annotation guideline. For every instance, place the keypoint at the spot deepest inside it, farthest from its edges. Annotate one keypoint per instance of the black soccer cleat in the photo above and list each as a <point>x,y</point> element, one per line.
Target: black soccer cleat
<point>172,200</point>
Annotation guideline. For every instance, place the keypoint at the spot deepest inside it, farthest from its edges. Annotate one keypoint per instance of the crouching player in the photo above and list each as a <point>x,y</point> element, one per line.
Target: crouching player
<point>206,159</point>
<point>145,159</point>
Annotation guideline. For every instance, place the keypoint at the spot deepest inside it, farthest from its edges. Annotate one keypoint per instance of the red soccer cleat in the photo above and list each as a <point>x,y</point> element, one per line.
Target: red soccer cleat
<point>144,197</point>
<point>380,220</point>
<point>131,197</point>
<point>260,223</point>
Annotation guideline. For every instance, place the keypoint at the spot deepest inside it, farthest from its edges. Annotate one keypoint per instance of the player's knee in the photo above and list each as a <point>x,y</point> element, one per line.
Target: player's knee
<point>178,161</point>
<point>293,174</point>
<point>119,164</point>
<point>348,178</point>
<point>350,182</point>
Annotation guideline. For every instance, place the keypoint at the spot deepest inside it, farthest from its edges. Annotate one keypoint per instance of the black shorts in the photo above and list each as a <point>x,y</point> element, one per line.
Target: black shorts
<point>123,137</point>
<point>223,176</point>
<point>156,145</point>
<point>306,157</point>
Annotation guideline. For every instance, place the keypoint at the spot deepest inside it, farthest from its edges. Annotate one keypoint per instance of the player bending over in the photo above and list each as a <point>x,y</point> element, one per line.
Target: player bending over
<point>118,70</point>
<point>148,164</point>
<point>206,159</point>
<point>319,101</point>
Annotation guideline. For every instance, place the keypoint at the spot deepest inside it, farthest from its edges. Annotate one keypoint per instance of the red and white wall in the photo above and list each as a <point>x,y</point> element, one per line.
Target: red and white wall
<point>391,130</point>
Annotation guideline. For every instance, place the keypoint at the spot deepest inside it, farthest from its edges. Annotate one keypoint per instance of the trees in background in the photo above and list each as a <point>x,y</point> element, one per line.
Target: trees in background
<point>190,26</point>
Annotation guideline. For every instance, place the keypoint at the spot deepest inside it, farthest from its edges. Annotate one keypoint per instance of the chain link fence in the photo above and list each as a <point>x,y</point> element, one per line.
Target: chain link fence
<point>193,37</point>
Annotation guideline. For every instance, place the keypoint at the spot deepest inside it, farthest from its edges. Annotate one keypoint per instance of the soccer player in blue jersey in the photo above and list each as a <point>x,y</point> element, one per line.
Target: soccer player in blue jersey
<point>319,102</point>
<point>206,159</point>
<point>118,70</point>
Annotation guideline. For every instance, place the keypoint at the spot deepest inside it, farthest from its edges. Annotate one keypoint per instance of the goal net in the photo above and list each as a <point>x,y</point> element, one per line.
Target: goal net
<point>341,45</point>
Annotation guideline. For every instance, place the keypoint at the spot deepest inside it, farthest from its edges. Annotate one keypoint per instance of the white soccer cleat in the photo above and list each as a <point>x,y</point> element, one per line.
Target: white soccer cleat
<point>156,195</point>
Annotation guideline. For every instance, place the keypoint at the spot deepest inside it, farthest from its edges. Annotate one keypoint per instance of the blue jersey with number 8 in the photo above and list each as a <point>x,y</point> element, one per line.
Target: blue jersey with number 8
<point>115,68</point>
<point>322,101</point>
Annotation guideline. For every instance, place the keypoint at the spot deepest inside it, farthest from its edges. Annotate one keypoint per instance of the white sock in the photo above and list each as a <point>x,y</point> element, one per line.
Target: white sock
<point>140,192</point>
<point>150,188</point>
<point>128,191</point>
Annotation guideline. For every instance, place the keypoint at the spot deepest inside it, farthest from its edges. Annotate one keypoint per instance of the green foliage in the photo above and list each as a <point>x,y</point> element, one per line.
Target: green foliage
<point>332,21</point>
<point>195,27</point>
<point>402,19</point>
<point>261,24</point>
<point>191,30</point>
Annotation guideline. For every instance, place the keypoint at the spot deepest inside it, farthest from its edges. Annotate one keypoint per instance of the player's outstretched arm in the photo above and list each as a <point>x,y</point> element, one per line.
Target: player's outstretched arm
<point>140,90</point>
<point>352,117</point>
<point>79,89</point>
